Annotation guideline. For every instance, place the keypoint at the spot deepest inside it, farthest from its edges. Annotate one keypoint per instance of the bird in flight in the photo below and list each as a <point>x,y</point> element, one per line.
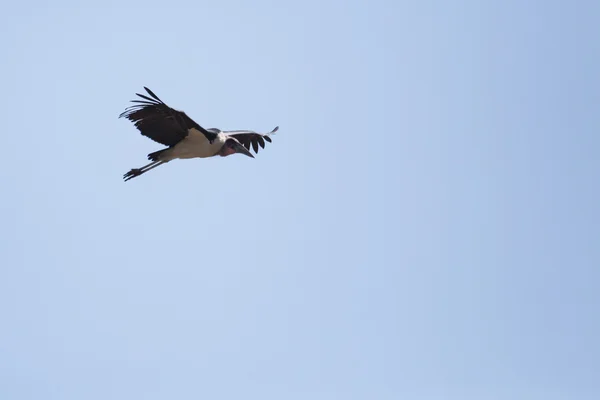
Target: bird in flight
<point>183,136</point>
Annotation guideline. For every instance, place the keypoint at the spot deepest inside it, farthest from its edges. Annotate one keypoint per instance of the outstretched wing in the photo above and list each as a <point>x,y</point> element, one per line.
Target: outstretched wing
<point>159,122</point>
<point>251,138</point>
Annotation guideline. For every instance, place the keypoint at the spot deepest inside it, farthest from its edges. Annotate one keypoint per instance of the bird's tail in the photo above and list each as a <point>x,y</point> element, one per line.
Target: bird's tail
<point>156,155</point>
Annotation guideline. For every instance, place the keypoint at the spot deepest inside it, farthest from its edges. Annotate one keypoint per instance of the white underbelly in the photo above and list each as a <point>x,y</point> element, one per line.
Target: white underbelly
<point>196,145</point>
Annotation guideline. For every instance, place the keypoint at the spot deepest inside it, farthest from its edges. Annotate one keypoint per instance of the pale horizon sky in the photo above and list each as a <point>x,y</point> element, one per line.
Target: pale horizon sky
<point>425,224</point>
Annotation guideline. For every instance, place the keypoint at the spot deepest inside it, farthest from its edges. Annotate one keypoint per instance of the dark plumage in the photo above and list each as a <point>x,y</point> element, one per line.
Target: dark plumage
<point>159,122</point>
<point>184,137</point>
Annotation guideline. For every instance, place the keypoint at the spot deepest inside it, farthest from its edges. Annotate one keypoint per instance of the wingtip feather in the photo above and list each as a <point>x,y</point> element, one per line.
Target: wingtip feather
<point>151,93</point>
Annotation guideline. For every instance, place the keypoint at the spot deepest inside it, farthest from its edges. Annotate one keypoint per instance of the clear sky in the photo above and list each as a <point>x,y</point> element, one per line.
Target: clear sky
<point>425,224</point>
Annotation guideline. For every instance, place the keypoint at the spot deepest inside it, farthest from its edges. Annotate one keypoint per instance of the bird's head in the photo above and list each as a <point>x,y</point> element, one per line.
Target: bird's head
<point>233,146</point>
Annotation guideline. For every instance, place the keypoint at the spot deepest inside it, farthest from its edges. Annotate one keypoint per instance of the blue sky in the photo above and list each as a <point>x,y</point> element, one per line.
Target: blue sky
<point>424,225</point>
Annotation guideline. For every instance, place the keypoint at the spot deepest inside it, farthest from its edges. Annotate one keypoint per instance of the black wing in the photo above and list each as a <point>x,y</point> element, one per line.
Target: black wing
<point>159,122</point>
<point>248,138</point>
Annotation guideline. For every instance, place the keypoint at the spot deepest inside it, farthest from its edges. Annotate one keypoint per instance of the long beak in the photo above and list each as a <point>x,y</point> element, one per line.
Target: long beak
<point>239,148</point>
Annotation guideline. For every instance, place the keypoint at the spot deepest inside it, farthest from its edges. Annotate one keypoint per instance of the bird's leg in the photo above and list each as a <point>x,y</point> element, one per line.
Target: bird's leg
<point>138,171</point>
<point>153,165</point>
